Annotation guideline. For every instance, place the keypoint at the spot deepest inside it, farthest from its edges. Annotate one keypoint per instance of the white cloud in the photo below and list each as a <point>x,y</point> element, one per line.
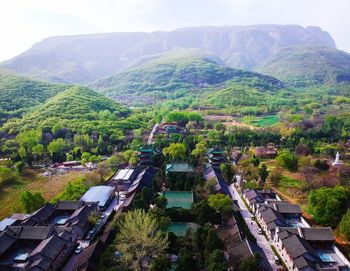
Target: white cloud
<point>24,22</point>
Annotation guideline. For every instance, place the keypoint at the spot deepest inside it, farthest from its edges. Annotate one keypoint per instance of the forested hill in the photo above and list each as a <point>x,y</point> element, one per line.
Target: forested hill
<point>178,72</point>
<point>18,94</point>
<point>305,66</point>
<point>86,58</point>
<point>78,109</point>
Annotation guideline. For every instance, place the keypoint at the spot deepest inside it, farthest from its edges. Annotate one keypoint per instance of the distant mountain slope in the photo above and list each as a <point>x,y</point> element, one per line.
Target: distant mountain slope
<point>177,72</point>
<point>305,66</point>
<point>77,108</point>
<point>18,94</point>
<point>85,58</point>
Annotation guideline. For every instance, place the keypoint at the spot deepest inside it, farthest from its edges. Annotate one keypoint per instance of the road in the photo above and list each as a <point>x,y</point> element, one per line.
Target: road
<point>260,238</point>
<point>150,138</point>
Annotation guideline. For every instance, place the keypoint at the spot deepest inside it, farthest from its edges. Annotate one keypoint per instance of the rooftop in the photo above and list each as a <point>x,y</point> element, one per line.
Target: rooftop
<point>100,194</point>
<point>179,167</point>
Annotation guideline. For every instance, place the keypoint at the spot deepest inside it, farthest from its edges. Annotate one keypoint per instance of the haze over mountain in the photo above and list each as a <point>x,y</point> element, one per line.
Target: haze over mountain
<point>305,66</point>
<point>85,58</point>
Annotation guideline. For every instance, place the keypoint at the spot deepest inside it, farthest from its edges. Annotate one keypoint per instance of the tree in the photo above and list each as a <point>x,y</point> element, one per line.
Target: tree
<point>160,263</point>
<point>217,261</point>
<point>221,203</point>
<point>287,160</point>
<point>344,225</point>
<point>139,238</point>
<point>93,219</point>
<point>228,171</point>
<point>327,205</point>
<point>200,150</point>
<point>115,161</point>
<point>204,213</point>
<point>186,261</point>
<point>32,201</point>
<point>263,173</point>
<point>276,176</point>
<point>213,242</point>
<point>250,264</point>
<point>176,151</point>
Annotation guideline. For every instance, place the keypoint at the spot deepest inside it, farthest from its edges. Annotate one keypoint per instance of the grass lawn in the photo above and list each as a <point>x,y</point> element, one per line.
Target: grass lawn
<point>32,181</point>
<point>263,121</point>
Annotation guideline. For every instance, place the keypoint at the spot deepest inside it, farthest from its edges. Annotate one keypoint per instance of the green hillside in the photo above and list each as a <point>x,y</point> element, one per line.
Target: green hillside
<point>78,109</point>
<point>18,94</point>
<point>306,66</point>
<point>173,75</point>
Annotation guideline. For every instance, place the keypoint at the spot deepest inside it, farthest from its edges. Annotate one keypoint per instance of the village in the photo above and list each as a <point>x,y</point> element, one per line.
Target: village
<point>258,227</point>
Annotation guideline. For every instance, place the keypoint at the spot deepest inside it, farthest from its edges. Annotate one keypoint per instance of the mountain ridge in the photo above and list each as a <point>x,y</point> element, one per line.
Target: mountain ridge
<point>86,58</point>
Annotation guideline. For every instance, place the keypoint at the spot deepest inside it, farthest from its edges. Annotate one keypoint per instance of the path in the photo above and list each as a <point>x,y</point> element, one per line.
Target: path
<point>253,226</point>
<point>150,138</point>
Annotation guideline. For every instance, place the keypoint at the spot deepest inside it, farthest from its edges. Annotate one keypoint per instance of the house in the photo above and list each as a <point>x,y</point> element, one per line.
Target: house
<point>101,194</point>
<point>34,248</point>
<point>176,167</point>
<point>278,214</point>
<point>215,174</point>
<point>240,252</point>
<point>123,178</point>
<point>72,214</point>
<point>89,258</point>
<point>309,249</point>
<point>268,152</point>
<point>253,196</point>
<point>143,179</point>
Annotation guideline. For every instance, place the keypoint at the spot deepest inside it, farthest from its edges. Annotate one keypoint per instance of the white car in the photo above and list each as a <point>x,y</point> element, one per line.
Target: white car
<point>259,231</point>
<point>78,250</point>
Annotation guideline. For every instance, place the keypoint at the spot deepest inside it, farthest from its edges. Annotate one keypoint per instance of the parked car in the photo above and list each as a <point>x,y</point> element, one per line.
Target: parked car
<point>78,250</point>
<point>90,234</point>
<point>252,216</point>
<point>277,260</point>
<point>259,231</point>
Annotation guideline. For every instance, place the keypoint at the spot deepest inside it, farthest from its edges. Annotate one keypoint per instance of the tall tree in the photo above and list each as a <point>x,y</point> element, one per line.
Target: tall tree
<point>139,238</point>
<point>217,261</point>
<point>32,201</point>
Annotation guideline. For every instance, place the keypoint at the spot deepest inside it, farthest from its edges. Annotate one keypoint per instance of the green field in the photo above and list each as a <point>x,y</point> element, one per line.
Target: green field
<point>263,121</point>
<point>180,229</point>
<point>179,199</point>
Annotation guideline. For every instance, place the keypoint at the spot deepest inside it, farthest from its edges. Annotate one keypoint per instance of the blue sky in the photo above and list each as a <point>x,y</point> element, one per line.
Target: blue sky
<point>24,22</point>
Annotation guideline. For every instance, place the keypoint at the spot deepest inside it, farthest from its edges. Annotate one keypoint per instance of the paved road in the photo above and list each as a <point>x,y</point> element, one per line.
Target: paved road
<point>150,138</point>
<point>260,238</point>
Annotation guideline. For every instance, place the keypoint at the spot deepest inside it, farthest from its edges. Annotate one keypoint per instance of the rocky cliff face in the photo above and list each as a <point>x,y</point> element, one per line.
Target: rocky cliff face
<point>85,58</point>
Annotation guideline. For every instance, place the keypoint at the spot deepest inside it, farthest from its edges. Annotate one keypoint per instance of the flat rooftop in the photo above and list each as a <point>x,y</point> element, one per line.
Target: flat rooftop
<point>179,199</point>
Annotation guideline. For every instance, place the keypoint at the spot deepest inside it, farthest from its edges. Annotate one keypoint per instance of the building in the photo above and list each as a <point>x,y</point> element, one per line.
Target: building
<point>35,248</point>
<point>64,214</point>
<point>268,152</point>
<point>309,249</point>
<point>143,179</point>
<point>253,196</point>
<point>124,178</point>
<point>216,157</point>
<point>178,168</point>
<point>145,155</point>
<point>278,214</point>
<point>101,194</point>
<point>215,174</point>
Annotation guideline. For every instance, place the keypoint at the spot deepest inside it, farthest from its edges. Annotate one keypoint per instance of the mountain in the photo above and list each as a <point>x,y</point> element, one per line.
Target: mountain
<point>86,58</point>
<point>77,108</point>
<point>306,66</point>
<point>18,94</point>
<point>175,73</point>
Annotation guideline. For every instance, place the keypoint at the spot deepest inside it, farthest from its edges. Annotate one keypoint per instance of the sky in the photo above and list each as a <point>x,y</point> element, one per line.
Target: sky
<point>25,22</point>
